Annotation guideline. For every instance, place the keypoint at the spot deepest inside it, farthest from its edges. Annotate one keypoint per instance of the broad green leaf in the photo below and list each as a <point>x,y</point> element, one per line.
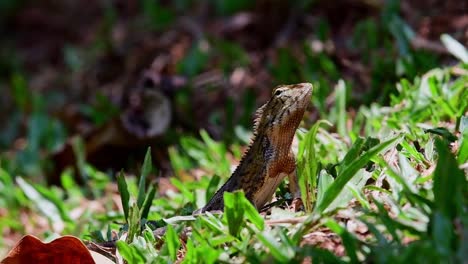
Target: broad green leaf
<point>325,180</point>
<point>234,211</point>
<point>357,182</point>
<point>348,172</point>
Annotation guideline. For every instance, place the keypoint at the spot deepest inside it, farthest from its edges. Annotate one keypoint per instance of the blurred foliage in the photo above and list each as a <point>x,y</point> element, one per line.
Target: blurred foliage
<point>392,137</point>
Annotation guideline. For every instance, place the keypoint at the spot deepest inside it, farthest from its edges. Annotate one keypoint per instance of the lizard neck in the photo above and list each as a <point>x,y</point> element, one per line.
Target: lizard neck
<point>281,137</point>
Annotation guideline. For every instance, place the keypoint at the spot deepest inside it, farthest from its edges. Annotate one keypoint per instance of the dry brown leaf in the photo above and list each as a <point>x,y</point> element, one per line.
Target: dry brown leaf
<point>66,249</point>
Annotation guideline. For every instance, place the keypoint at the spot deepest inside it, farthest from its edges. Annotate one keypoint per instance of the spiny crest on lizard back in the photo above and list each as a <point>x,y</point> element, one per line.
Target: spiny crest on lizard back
<point>285,100</point>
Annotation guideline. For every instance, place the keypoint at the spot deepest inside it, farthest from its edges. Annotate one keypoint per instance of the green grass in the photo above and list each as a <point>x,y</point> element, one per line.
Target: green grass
<point>384,182</point>
<point>393,170</point>
<point>396,165</point>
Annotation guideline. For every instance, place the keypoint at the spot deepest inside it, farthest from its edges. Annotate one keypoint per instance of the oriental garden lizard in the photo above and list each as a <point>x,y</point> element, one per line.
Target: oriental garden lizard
<point>269,158</point>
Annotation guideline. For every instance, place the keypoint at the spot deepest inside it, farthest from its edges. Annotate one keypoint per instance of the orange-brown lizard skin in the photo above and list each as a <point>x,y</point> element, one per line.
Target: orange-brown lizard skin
<point>269,158</point>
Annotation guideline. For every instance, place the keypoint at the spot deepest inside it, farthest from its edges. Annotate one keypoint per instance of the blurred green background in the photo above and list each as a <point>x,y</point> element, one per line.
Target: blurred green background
<point>87,86</point>
<point>71,68</point>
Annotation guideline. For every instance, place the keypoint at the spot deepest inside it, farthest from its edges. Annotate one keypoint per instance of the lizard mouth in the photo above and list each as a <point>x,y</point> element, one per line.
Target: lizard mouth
<point>303,98</point>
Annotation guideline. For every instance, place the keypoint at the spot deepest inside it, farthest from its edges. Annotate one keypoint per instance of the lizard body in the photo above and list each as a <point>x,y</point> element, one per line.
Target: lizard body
<point>269,158</point>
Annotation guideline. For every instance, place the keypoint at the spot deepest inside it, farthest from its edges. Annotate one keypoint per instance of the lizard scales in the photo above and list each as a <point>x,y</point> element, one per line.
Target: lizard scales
<point>269,158</point>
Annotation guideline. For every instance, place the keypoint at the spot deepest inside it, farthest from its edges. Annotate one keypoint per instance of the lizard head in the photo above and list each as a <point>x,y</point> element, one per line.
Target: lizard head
<point>285,108</point>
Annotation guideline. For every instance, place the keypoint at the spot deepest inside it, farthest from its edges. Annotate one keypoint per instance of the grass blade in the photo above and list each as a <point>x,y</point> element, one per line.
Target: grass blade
<point>172,242</point>
<point>45,206</point>
<point>145,170</point>
<point>308,167</point>
<point>341,104</point>
<point>325,182</point>
<point>148,202</point>
<point>349,242</point>
<point>234,212</point>
<point>124,194</point>
<point>455,47</point>
<point>346,174</point>
<point>352,154</point>
<point>449,182</point>
<point>463,152</point>
<point>279,253</point>
<point>252,214</point>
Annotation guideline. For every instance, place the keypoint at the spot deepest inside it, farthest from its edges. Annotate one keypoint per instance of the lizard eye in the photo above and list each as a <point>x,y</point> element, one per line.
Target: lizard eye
<point>278,92</point>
